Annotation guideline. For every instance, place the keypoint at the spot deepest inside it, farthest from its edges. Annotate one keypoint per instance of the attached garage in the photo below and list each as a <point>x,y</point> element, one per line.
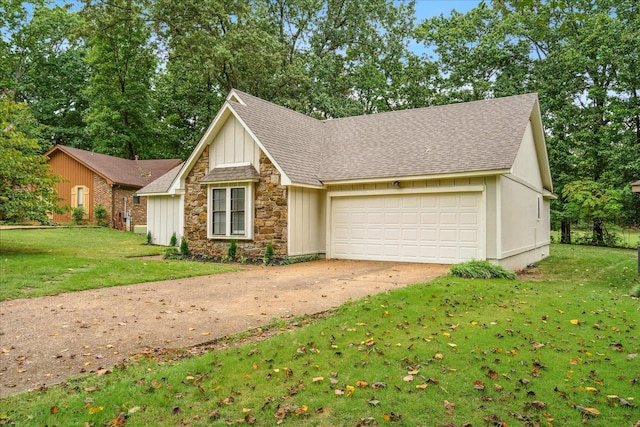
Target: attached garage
<point>424,227</point>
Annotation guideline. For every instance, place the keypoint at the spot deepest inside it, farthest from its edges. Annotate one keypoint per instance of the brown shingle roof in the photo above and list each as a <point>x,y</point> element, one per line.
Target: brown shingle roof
<point>234,173</point>
<point>162,184</point>
<point>472,136</point>
<point>294,140</point>
<point>129,173</point>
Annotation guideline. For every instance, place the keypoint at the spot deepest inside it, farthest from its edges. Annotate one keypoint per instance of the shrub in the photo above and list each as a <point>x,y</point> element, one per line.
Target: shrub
<point>233,248</point>
<point>635,292</point>
<point>148,237</point>
<point>184,247</point>
<point>268,253</point>
<point>481,270</point>
<point>77,215</point>
<point>171,253</point>
<point>100,213</point>
<point>174,240</point>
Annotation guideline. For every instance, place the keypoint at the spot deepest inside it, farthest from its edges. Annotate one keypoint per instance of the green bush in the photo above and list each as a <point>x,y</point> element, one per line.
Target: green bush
<point>174,240</point>
<point>481,270</point>
<point>268,253</point>
<point>77,215</point>
<point>171,253</point>
<point>149,238</point>
<point>233,248</point>
<point>100,213</point>
<point>635,292</point>
<point>184,247</point>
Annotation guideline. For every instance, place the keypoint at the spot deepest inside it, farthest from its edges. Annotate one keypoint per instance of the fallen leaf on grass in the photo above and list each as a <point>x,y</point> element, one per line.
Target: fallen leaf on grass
<point>54,410</point>
<point>478,385</point>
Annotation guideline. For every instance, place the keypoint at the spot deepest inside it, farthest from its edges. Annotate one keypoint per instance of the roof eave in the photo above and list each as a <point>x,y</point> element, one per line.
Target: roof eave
<point>467,174</point>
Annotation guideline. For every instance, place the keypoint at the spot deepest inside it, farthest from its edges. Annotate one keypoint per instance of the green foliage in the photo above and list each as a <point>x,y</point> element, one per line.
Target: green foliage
<point>58,260</point>
<point>171,253</point>
<point>268,254</point>
<point>174,240</point>
<point>100,213</point>
<point>78,215</point>
<point>184,247</point>
<point>301,258</point>
<point>27,184</point>
<point>43,46</point>
<point>122,63</point>
<point>149,239</point>
<point>467,360</point>
<point>233,248</point>
<point>635,292</point>
<point>481,270</point>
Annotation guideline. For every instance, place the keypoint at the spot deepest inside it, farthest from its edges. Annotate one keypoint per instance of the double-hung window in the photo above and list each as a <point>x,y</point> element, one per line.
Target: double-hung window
<point>230,212</point>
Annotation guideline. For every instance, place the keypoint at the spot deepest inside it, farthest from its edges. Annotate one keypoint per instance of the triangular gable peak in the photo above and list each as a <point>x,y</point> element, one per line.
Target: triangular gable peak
<point>219,122</point>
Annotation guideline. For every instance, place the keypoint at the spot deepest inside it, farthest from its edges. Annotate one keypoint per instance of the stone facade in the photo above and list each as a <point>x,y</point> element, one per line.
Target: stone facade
<point>270,214</point>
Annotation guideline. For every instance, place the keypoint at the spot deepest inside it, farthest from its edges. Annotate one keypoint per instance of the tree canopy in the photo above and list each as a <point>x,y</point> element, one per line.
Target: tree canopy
<point>145,77</point>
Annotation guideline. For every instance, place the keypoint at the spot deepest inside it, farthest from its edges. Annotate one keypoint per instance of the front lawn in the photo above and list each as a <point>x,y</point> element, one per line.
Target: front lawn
<point>559,348</point>
<point>36,262</point>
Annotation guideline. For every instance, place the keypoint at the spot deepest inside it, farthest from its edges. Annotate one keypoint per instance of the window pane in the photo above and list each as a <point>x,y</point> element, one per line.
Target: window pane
<point>237,199</point>
<point>80,197</point>
<point>237,211</point>
<point>219,210</point>
<point>237,222</point>
<point>219,199</point>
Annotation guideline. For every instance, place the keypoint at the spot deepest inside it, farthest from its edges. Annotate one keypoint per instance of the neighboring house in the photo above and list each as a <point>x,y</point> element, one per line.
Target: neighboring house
<point>635,187</point>
<point>90,179</point>
<point>435,185</point>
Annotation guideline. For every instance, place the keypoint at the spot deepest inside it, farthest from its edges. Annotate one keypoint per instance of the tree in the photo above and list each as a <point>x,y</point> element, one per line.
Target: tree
<point>593,202</point>
<point>45,68</point>
<point>580,56</point>
<point>122,61</point>
<point>27,184</point>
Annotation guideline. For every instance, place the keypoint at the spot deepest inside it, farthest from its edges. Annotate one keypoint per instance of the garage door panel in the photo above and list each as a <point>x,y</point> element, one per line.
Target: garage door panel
<point>442,228</point>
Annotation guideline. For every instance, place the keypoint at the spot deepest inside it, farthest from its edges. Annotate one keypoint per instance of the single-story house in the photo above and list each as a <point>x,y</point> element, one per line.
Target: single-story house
<point>442,184</point>
<point>90,179</point>
<point>635,187</point>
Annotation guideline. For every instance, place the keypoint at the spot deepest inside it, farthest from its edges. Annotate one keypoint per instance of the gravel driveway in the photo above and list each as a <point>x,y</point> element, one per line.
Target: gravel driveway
<point>46,340</point>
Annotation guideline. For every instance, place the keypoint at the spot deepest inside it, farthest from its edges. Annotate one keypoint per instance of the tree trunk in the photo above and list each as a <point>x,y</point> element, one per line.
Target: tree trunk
<point>598,232</point>
<point>566,231</point>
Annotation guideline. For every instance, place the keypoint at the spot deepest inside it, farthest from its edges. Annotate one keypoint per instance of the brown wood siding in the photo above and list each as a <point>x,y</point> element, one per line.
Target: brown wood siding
<point>73,173</point>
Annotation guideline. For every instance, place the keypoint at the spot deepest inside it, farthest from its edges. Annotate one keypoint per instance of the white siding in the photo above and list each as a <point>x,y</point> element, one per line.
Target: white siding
<point>233,144</point>
<point>522,228</point>
<point>526,164</point>
<point>306,221</point>
<point>163,218</point>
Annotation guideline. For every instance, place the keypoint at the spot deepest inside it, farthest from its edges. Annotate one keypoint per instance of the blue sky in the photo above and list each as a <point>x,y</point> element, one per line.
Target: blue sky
<point>429,8</point>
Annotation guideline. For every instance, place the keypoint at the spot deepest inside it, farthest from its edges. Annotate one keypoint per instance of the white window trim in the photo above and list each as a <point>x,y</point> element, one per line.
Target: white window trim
<point>248,211</point>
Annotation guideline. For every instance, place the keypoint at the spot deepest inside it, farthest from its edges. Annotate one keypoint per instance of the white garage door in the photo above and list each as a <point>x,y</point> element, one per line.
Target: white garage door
<point>432,228</point>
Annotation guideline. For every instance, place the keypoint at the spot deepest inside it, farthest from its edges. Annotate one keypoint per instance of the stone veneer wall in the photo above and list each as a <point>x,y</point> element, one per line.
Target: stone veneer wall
<point>102,195</point>
<point>270,214</point>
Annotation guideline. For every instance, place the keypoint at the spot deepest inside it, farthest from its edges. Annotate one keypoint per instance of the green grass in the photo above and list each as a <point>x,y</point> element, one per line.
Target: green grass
<point>628,238</point>
<point>50,261</point>
<point>545,351</point>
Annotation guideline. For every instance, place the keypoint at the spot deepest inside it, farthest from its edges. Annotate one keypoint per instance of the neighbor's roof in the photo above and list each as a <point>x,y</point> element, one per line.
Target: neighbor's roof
<point>635,187</point>
<point>118,171</point>
<point>472,136</point>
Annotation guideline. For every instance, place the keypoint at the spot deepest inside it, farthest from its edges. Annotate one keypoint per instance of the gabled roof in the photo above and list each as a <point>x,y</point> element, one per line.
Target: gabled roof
<point>472,136</point>
<point>481,137</point>
<point>118,171</point>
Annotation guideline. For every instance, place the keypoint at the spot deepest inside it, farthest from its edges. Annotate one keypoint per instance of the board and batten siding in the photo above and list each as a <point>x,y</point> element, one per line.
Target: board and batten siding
<point>307,221</point>
<point>164,218</point>
<point>233,144</point>
<point>73,173</point>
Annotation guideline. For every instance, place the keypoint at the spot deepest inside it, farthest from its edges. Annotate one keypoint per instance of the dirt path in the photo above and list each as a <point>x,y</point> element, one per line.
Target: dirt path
<point>46,340</point>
